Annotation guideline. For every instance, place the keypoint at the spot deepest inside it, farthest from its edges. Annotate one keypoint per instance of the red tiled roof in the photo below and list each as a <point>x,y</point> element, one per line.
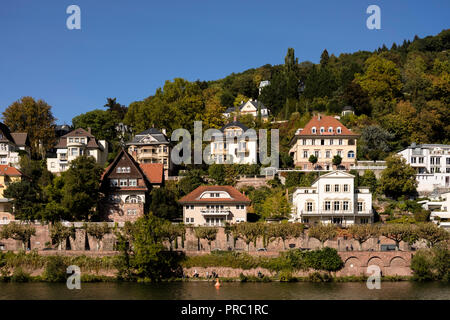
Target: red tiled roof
<point>153,171</point>
<point>6,170</point>
<point>236,196</point>
<point>326,122</point>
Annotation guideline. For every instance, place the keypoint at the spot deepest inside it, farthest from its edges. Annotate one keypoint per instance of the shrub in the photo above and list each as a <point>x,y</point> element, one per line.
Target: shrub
<point>55,269</point>
<point>19,275</point>
<point>286,276</point>
<point>421,265</point>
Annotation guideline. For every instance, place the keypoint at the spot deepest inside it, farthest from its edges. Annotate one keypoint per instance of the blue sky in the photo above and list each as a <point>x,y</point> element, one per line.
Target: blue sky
<point>127,49</point>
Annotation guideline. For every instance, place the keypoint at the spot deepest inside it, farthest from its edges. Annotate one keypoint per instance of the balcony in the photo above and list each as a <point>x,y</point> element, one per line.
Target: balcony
<point>337,213</point>
<point>215,212</point>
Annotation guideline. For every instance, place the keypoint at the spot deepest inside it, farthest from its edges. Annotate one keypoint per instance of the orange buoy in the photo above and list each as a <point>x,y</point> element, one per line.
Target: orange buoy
<point>217,285</point>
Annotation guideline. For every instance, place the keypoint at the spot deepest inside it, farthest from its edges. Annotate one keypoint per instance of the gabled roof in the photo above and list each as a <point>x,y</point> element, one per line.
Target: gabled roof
<point>6,133</point>
<point>334,174</point>
<point>6,170</point>
<point>325,122</point>
<point>152,173</point>
<point>194,196</point>
<point>79,132</point>
<point>254,103</point>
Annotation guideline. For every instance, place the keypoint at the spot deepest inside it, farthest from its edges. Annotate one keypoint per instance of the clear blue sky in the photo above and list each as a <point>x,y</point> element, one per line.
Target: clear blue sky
<point>127,49</point>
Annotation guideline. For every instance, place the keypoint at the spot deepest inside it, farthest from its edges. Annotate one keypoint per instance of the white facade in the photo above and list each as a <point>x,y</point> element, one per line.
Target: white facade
<point>440,210</point>
<point>432,163</point>
<point>333,198</point>
<point>237,144</point>
<point>249,107</point>
<point>74,144</point>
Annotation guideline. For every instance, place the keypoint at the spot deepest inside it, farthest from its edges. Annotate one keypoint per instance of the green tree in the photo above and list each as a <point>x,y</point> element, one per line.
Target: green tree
<point>326,259</point>
<point>36,119</point>
<point>432,234</point>
<point>398,232</point>
<point>60,233</point>
<point>81,191</point>
<point>312,159</point>
<point>337,160</point>
<point>20,232</point>
<point>398,179</point>
<point>374,143</point>
<point>217,173</point>
<point>98,231</point>
<point>369,179</point>
<point>323,232</point>
<point>208,233</point>
<point>191,181</point>
<point>249,232</point>
<point>164,204</point>
<point>363,232</point>
<point>172,231</point>
<point>276,206</point>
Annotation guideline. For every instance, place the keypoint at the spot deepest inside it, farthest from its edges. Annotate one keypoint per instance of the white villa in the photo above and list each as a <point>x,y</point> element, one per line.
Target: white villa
<point>250,107</point>
<point>11,143</point>
<point>432,163</point>
<point>76,143</point>
<point>214,206</point>
<point>236,144</point>
<point>440,210</point>
<point>333,198</point>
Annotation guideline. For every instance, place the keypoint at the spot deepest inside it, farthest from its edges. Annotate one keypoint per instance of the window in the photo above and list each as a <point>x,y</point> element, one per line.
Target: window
<point>313,142</point>
<point>421,159</point>
<point>328,154</point>
<point>132,182</point>
<point>74,151</point>
<point>131,212</point>
<point>351,154</point>
<point>313,130</point>
<point>339,153</point>
<point>305,154</point>
<point>322,142</point>
<point>52,165</point>
<point>187,220</point>
<point>330,129</point>
<point>364,220</point>
<point>346,188</point>
<point>447,161</point>
<point>309,206</point>
<point>304,142</point>
<point>327,188</point>
<point>331,142</point>
<point>317,154</point>
<point>192,220</point>
<point>336,205</point>
<point>340,142</point>
<point>322,129</point>
<point>413,159</point>
<point>345,206</point>
<point>113,182</point>
<point>123,182</point>
<point>336,188</point>
<point>133,199</point>
<point>327,205</point>
<point>70,140</point>
<point>338,130</point>
<point>360,206</point>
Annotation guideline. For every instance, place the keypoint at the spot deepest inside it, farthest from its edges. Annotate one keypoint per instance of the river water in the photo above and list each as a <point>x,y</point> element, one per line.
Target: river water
<point>228,291</point>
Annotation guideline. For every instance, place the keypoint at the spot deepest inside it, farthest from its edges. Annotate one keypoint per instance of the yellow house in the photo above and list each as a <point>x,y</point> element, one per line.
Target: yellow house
<point>8,174</point>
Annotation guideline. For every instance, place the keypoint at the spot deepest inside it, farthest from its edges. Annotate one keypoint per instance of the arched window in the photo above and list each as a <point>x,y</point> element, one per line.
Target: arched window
<point>351,154</point>
<point>330,129</point>
<point>322,129</point>
<point>338,130</point>
<point>133,199</point>
<point>313,129</point>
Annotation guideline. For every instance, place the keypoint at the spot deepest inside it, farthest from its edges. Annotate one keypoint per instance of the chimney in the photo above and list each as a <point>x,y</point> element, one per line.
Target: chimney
<point>319,116</point>
<point>234,118</point>
<point>89,130</point>
<point>163,131</point>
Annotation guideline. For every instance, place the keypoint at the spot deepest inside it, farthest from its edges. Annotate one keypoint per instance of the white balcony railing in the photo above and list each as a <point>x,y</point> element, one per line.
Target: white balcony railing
<point>213,212</point>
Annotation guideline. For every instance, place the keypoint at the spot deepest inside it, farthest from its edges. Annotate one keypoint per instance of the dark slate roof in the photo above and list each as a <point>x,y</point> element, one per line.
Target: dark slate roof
<point>20,138</point>
<point>234,124</point>
<point>6,133</point>
<point>347,108</point>
<point>160,137</point>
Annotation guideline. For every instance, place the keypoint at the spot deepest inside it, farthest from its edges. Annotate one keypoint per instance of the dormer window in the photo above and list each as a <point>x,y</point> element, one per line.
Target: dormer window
<point>338,130</point>
<point>313,130</point>
<point>322,130</point>
<point>330,129</point>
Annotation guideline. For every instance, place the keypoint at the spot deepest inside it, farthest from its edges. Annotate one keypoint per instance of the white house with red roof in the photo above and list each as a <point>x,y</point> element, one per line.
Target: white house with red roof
<point>323,137</point>
<point>214,206</point>
<point>74,144</point>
